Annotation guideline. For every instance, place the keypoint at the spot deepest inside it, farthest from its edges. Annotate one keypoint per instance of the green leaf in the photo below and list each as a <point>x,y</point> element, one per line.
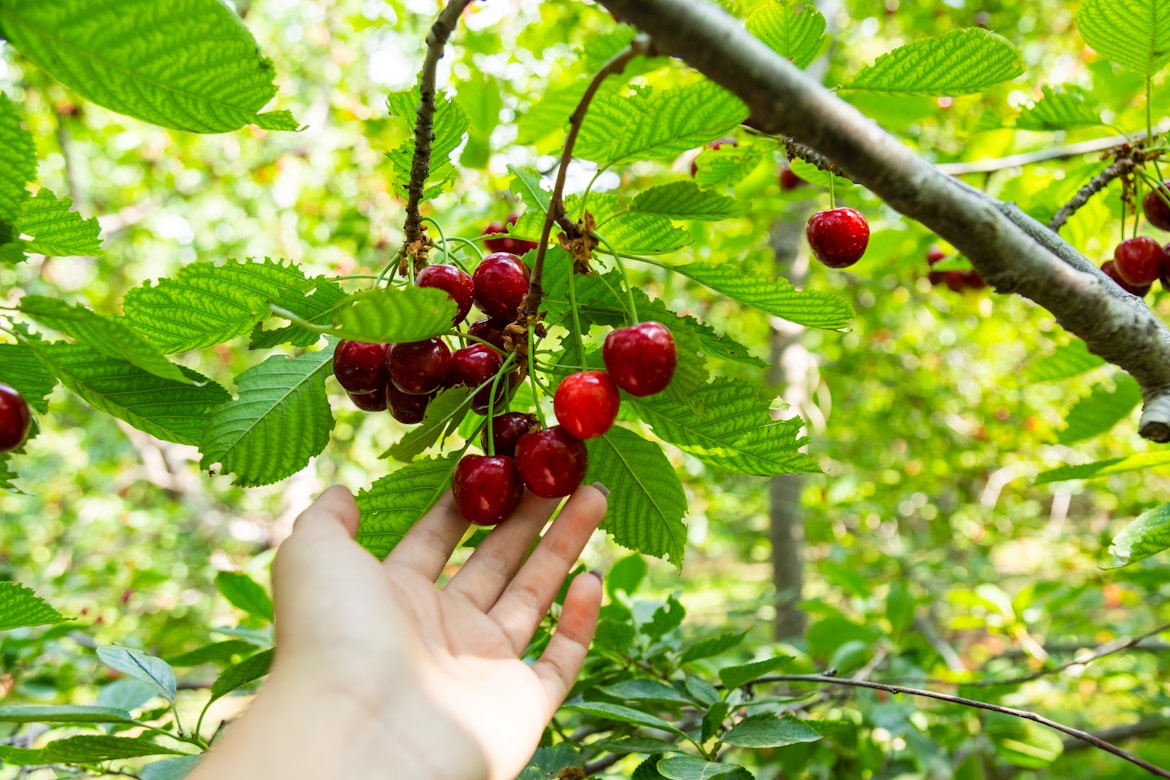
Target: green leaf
<point>625,575</point>
<point>646,502</point>
<point>1061,108</point>
<point>281,420</point>
<point>20,607</point>
<point>63,713</point>
<point>645,690</point>
<point>818,177</point>
<point>772,296</point>
<point>111,337</point>
<point>395,315</point>
<point>550,111</point>
<point>666,618</point>
<point>712,646</point>
<point>713,719</point>
<point>315,302</point>
<point>1133,33</point>
<point>900,608</point>
<point>21,368</point>
<point>684,200</point>
<point>643,234</point>
<point>958,62</point>
<point>726,166</point>
<point>217,652</point>
<point>1101,410</point>
<point>734,430</point>
<point>736,676</point>
<point>125,693</point>
<point>163,408</point>
<point>480,96</point>
<point>18,163</point>
<point>621,714</point>
<point>767,730</point>
<point>169,768</point>
<point>90,749</point>
<point>656,123</point>
<point>155,672</point>
<point>443,416</point>
<point>54,229</point>
<point>13,756</point>
<point>794,31</point>
<point>450,123</point>
<point>691,768</point>
<point>636,745</point>
<point>7,475</point>
<point>702,690</point>
<point>525,185</point>
<point>246,671</point>
<point>1022,742</point>
<point>393,503</point>
<point>245,593</point>
<point>1104,468</point>
<point>190,65</point>
<point>206,304</point>
<point>1069,360</point>
<point>1147,535</point>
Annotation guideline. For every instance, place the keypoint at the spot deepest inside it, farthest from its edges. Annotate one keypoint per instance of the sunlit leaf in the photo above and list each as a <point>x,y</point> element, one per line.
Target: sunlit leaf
<point>1148,535</point>
<point>958,62</point>
<point>20,606</point>
<point>1132,33</point>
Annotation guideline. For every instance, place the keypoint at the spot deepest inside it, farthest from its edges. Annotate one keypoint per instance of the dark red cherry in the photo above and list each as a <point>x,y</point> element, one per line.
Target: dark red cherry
<point>789,180</point>
<point>360,367</point>
<point>418,367</point>
<point>587,403</point>
<point>641,358</point>
<point>15,418</point>
<point>472,366</point>
<point>1155,209</point>
<point>974,280</point>
<point>837,237</point>
<point>490,330</point>
<point>506,243</point>
<point>487,489</point>
<point>934,255</point>
<point>956,280</point>
<point>454,281</point>
<point>507,429</point>
<point>1139,260</point>
<point>552,461</point>
<point>407,408</point>
<point>1109,268</point>
<point>369,402</point>
<point>501,281</point>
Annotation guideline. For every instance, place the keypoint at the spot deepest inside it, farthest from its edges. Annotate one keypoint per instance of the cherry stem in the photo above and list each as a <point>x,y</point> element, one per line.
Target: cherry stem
<point>447,257</point>
<point>1150,121</point>
<point>297,320</point>
<point>576,318</point>
<point>532,379</point>
<point>475,339</point>
<point>470,243</point>
<point>492,401</point>
<point>390,268</point>
<point>832,191</point>
<point>632,313</point>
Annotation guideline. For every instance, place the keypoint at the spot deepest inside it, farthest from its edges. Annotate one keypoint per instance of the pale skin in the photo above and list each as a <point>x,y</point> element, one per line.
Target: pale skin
<point>379,673</point>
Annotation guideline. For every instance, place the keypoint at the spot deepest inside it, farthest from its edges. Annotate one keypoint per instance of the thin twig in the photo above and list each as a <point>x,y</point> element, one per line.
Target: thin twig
<point>1099,182</point>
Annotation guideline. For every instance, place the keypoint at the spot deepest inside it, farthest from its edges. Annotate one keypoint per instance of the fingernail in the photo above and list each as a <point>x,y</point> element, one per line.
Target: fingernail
<point>602,489</point>
<point>597,574</point>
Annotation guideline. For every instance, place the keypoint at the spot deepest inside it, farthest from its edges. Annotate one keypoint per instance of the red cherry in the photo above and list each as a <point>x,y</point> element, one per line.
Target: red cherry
<point>15,418</point>
<point>506,244</point>
<point>552,461</point>
<point>1155,209</point>
<point>934,255</point>
<point>789,180</point>
<point>974,280</point>
<point>1109,268</point>
<point>956,280</point>
<point>837,237</point>
<point>501,281</point>
<point>418,367</point>
<point>369,402</point>
<point>453,281</point>
<point>1165,277</point>
<point>1139,260</point>
<point>641,358</point>
<point>490,330</point>
<point>473,365</point>
<point>360,367</point>
<point>405,407</point>
<point>487,489</point>
<point>587,403</point>
<point>507,429</point>
<point>713,146</point>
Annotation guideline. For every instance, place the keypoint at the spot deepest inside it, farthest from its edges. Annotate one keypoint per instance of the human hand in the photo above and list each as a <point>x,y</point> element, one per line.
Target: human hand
<point>418,681</point>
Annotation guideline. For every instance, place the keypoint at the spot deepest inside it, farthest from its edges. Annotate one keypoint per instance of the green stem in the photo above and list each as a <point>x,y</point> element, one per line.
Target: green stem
<point>576,318</point>
<point>1150,122</point>
<point>532,379</point>
<point>832,192</point>
<point>491,442</point>
<point>390,268</point>
<point>467,242</point>
<point>633,311</point>
<point>300,321</point>
<point>442,237</point>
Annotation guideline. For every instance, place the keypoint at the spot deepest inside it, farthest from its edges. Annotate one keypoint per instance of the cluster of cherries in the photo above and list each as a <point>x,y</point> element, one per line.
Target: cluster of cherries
<point>15,418</point>
<point>519,453</point>
<point>956,281</point>
<point>1138,262</point>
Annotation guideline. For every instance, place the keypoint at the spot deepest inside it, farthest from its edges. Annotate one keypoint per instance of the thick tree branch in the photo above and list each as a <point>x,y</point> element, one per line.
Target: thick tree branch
<point>1010,250</point>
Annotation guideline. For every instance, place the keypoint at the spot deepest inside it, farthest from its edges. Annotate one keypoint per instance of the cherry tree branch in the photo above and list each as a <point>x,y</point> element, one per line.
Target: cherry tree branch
<point>1009,249</point>
<point>1121,167</point>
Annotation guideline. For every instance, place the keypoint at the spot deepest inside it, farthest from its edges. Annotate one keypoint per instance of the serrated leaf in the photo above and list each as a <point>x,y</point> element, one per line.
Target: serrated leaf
<point>206,304</point>
<point>691,768</point>
<point>7,475</point>
<point>767,730</point>
<point>727,165</point>
<point>683,200</point>
<point>656,123</point>
<point>18,162</point>
<point>1133,33</point>
<point>393,503</point>
<point>733,430</point>
<point>168,410</point>
<point>772,296</point>
<point>170,768</point>
<point>550,111</point>
<point>646,502</point>
<point>1061,108</point>
<point>1104,468</point>
<point>645,690</point>
<point>713,719</point>
<point>525,184</point>
<point>444,414</point>
<point>666,618</point>
<point>155,672</point>
<point>958,62</point>
<point>64,713</point>
<point>736,676</point>
<point>643,234</point>
<point>1069,360</point>
<point>20,607</point>
<point>188,64</point>
<point>1148,534</point>
<point>279,422</point>
<point>21,368</point>
<point>245,593</point>
<point>246,671</point>
<point>450,123</point>
<point>109,336</point>
<point>54,229</point>
<point>90,749</point>
<point>315,303</point>
<point>1101,410</point>
<point>794,31</point>
<point>394,315</point>
<point>711,646</point>
<point>217,652</point>
<point>621,714</point>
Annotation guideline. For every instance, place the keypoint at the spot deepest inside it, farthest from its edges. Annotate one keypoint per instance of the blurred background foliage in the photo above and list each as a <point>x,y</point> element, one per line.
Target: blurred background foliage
<point>929,433</point>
